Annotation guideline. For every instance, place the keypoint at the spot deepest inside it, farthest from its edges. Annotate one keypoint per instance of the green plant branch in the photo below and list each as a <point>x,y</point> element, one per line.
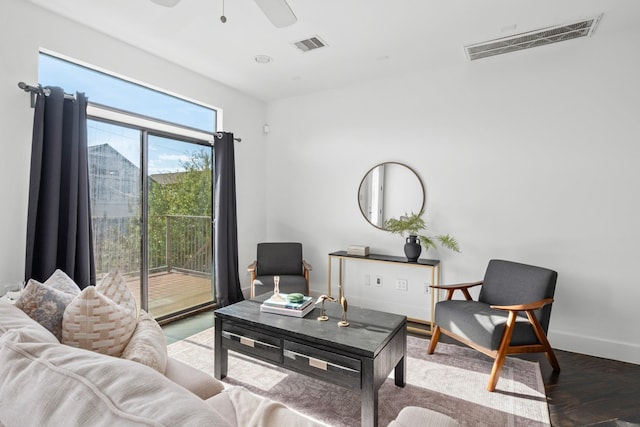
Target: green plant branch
<point>412,224</point>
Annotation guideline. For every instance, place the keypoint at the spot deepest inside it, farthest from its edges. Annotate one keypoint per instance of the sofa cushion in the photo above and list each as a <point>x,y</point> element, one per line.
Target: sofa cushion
<point>45,302</point>
<point>255,411</point>
<point>147,344</point>
<point>93,321</point>
<point>12,318</point>
<point>202,385</point>
<point>413,416</point>
<point>53,384</point>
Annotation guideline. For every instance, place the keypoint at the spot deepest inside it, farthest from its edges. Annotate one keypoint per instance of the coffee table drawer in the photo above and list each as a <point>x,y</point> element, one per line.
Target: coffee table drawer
<point>331,367</point>
<point>251,342</point>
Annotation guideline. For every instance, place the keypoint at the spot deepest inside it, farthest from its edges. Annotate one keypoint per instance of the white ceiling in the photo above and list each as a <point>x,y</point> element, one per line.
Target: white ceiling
<point>367,39</point>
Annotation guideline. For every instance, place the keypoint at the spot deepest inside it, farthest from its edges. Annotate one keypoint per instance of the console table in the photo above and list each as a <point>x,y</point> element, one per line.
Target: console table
<point>431,265</point>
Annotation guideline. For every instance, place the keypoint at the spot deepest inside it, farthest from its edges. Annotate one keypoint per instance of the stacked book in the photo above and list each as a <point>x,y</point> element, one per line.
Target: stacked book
<point>284,306</point>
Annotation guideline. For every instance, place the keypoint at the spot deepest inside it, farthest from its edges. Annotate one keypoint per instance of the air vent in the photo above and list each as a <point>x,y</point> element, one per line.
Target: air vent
<point>542,37</point>
<point>310,44</point>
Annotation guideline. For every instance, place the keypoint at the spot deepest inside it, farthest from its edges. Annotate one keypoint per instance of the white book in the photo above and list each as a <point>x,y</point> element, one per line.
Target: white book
<point>287,311</point>
<point>285,303</point>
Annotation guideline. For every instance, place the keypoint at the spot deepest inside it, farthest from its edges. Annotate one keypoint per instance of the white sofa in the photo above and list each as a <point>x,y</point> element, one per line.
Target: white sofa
<point>44,382</point>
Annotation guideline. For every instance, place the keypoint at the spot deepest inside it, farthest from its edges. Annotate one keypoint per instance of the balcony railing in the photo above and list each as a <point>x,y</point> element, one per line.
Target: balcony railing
<point>176,242</point>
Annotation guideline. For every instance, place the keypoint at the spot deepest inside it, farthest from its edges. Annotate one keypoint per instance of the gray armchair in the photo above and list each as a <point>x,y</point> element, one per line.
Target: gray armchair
<point>279,259</point>
<point>511,315</point>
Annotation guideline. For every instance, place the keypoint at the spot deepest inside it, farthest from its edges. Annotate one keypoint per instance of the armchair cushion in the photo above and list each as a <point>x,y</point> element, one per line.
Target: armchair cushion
<point>279,259</point>
<point>477,322</point>
<point>509,283</point>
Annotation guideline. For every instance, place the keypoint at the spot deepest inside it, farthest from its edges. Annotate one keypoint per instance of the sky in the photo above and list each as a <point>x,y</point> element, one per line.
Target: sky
<point>165,155</point>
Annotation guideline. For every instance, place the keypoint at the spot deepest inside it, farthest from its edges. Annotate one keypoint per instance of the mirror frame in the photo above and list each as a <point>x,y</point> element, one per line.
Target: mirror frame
<point>424,197</point>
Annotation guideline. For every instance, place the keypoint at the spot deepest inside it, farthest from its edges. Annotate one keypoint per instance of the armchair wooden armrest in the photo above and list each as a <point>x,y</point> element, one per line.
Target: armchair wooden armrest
<point>463,287</point>
<point>524,307</point>
<point>252,267</point>
<point>306,269</point>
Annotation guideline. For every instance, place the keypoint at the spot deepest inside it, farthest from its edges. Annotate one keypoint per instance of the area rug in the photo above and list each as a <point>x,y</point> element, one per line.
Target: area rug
<point>452,381</point>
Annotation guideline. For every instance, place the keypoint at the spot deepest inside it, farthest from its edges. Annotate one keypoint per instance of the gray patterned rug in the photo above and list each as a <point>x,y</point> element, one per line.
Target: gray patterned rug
<point>452,381</point>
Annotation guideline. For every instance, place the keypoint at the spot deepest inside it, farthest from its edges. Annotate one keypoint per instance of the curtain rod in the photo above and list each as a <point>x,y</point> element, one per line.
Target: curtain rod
<point>219,136</point>
<point>35,90</point>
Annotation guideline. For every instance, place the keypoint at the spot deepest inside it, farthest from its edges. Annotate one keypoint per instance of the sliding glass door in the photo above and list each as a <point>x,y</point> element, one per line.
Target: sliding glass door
<point>152,214</point>
<point>179,225</point>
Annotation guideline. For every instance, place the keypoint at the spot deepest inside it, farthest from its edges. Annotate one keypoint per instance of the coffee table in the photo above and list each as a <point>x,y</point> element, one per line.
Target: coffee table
<point>358,357</point>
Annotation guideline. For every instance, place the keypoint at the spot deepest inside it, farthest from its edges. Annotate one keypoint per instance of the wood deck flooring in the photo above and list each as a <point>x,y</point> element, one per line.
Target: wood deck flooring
<point>171,292</point>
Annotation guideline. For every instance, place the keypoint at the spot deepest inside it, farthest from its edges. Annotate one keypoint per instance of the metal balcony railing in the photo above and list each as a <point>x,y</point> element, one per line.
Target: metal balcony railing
<point>176,242</point>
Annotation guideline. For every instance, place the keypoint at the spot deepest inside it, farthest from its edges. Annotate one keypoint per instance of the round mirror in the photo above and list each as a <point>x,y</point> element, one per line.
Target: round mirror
<point>389,190</point>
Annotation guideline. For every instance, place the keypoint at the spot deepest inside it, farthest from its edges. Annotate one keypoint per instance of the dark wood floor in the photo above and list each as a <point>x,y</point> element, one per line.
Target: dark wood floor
<point>589,391</point>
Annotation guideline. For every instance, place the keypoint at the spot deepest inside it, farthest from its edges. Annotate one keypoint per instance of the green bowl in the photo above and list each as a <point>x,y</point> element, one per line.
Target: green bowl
<point>295,297</point>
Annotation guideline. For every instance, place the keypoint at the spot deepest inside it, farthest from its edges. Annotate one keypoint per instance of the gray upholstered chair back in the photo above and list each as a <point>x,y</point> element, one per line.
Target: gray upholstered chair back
<point>510,283</point>
<point>279,258</point>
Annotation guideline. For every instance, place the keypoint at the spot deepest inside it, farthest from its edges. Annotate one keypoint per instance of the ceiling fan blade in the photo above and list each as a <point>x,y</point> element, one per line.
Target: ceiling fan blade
<point>166,3</point>
<point>278,12</point>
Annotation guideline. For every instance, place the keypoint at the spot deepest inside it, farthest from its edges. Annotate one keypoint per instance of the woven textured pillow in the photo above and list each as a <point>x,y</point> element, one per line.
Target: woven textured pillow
<point>93,321</point>
<point>115,288</point>
<point>45,302</point>
<point>147,344</point>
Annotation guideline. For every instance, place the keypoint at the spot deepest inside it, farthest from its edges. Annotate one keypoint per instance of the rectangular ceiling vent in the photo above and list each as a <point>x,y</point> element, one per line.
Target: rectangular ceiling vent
<point>542,37</point>
<point>311,43</point>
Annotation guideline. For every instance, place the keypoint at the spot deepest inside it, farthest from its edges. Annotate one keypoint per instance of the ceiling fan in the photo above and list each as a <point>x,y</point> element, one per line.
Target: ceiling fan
<point>277,11</point>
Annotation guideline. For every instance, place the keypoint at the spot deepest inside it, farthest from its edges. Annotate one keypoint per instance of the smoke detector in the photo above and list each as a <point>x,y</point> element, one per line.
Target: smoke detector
<point>541,37</point>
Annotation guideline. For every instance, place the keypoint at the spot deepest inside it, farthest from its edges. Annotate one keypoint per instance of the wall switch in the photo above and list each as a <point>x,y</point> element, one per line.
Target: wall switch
<point>367,280</point>
<point>401,284</point>
<point>379,281</point>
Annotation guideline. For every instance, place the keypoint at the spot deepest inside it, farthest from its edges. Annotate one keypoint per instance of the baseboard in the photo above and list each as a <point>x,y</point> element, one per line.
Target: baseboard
<point>592,346</point>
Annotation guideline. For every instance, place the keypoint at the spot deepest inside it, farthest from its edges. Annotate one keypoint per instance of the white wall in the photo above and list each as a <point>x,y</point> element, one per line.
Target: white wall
<point>24,29</point>
<point>531,156</point>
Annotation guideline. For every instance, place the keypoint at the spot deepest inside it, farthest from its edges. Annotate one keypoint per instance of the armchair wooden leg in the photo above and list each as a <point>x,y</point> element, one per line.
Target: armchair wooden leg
<point>542,337</point>
<point>501,356</point>
<point>435,336</point>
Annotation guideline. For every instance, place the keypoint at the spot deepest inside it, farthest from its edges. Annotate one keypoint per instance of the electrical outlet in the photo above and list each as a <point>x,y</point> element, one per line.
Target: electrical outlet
<point>427,288</point>
<point>401,284</point>
<point>379,281</point>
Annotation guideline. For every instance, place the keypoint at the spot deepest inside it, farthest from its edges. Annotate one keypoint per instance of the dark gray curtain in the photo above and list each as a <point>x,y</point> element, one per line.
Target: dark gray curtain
<point>227,278</point>
<point>59,217</point>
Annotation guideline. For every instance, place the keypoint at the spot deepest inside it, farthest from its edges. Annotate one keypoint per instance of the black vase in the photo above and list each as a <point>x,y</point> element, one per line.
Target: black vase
<point>412,248</point>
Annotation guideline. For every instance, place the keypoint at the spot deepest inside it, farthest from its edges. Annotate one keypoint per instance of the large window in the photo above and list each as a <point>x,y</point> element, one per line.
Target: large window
<point>150,171</point>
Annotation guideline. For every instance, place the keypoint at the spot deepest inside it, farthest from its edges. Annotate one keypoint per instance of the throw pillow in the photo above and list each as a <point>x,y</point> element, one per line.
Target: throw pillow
<point>60,281</point>
<point>12,318</point>
<point>45,302</point>
<point>147,344</point>
<point>93,321</point>
<point>114,287</point>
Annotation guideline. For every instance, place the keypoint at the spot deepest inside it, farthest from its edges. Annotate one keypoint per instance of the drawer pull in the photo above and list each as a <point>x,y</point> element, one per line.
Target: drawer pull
<point>246,341</point>
<point>317,363</point>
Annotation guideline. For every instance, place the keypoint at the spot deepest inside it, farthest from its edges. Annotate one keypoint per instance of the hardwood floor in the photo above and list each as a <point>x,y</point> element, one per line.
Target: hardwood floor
<point>588,391</point>
<point>591,391</point>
